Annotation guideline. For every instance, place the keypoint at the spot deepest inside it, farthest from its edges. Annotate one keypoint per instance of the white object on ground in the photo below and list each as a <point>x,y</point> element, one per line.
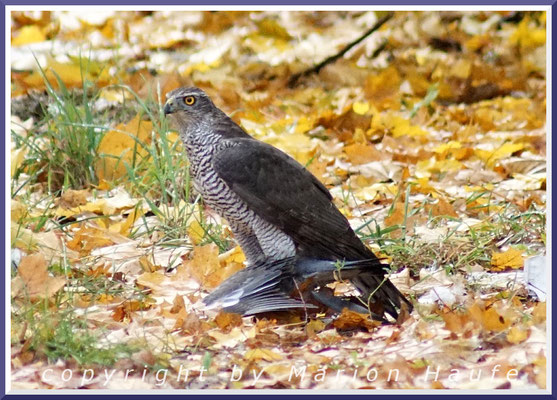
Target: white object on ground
<point>535,276</point>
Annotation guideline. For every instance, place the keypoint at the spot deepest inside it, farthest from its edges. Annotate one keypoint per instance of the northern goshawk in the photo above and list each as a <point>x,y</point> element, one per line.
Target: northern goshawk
<point>275,207</point>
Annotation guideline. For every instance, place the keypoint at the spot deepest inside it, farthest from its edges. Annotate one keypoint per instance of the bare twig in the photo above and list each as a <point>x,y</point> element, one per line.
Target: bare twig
<point>314,70</point>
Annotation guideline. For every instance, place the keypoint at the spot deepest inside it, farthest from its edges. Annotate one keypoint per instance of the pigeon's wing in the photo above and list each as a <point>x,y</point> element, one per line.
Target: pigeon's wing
<point>266,302</point>
<point>262,287</point>
<point>280,190</point>
<point>246,282</point>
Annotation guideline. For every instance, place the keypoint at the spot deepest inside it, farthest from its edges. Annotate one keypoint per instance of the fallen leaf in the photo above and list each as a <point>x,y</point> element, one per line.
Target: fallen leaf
<point>196,232</point>
<point>28,34</point>
<point>349,320</point>
<point>510,259</point>
<point>517,335</point>
<point>262,354</point>
<point>124,145</point>
<point>37,283</point>
<point>490,157</point>
<point>362,153</point>
<point>227,321</point>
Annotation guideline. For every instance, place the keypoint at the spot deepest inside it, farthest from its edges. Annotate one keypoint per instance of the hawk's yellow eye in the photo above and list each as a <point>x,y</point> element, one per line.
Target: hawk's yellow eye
<point>189,100</point>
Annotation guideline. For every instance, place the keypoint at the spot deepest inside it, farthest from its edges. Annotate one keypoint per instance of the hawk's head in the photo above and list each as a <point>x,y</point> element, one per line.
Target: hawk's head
<point>196,116</point>
<point>189,105</point>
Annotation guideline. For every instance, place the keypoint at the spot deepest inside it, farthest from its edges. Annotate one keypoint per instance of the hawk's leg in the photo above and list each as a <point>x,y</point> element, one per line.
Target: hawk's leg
<point>274,242</point>
<point>326,296</point>
<point>248,242</point>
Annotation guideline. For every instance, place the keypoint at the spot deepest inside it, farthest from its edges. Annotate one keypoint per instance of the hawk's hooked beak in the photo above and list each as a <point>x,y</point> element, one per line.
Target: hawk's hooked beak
<point>170,106</point>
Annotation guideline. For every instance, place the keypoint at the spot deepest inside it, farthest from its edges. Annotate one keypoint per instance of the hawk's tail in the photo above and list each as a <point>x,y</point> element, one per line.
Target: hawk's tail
<point>380,294</point>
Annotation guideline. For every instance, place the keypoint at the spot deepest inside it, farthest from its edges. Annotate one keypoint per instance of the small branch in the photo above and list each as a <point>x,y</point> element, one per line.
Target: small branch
<point>314,70</point>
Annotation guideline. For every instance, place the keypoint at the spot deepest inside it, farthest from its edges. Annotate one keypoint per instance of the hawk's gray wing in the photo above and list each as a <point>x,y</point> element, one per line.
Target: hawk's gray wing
<point>281,191</point>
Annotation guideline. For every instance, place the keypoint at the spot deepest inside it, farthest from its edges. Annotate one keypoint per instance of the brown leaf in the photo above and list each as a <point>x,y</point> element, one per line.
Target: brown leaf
<point>352,320</point>
<point>73,198</point>
<point>313,327</point>
<point>36,281</point>
<point>227,321</point>
<point>443,208</point>
<point>383,88</point>
<point>125,310</point>
<point>193,325</point>
<point>178,305</point>
<point>89,238</point>
<point>358,153</point>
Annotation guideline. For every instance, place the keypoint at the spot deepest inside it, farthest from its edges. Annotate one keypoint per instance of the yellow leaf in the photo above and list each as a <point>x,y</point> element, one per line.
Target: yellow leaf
<point>539,313</point>
<point>371,192</point>
<point>443,208</point>
<point>400,127</point>
<point>314,326</point>
<point>517,335</point>
<point>270,27</point>
<point>196,232</point>
<point>360,108</point>
<point>511,258</point>
<point>70,74</point>
<point>146,264</point>
<point>205,265</point>
<point>104,185</point>
<point>304,124</point>
<point>295,144</point>
<point>22,238</point>
<point>29,34</point>
<point>540,377</point>
<point>73,198</point>
<point>89,238</point>
<point>488,187</point>
<point>262,354</point>
<point>18,155</point>
<point>476,42</point>
<point>236,255</point>
<point>396,217</point>
<point>18,210</point>
<point>493,321</point>
<point>445,147</point>
<point>490,157</point>
<point>461,69</point>
<point>95,207</point>
<point>526,36</point>
<point>126,226</point>
<point>426,167</point>
<point>383,88</point>
<point>125,143</point>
